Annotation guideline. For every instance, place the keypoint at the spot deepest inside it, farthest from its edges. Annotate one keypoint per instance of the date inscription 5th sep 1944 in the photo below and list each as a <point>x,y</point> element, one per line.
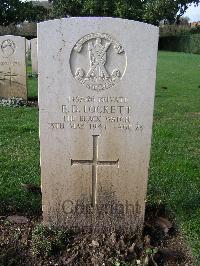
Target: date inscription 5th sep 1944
<point>95,113</point>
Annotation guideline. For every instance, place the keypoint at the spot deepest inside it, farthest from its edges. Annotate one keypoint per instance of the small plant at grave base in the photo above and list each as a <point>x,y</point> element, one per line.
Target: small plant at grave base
<point>13,101</point>
<point>6,222</point>
<point>146,258</point>
<point>35,75</point>
<point>149,255</point>
<point>121,263</point>
<point>47,242</point>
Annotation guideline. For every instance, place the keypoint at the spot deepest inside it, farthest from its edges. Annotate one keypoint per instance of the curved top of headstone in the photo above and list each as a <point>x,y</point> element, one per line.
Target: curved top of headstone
<point>100,20</point>
<point>101,40</point>
<point>12,36</point>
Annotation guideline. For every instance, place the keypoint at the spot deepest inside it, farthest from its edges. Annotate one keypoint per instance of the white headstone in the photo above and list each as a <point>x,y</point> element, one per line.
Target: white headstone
<point>12,67</point>
<point>28,46</point>
<point>34,58</point>
<point>96,95</point>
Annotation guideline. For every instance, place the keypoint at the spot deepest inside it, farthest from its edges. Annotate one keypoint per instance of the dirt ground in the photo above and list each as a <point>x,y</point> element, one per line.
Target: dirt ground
<point>25,241</point>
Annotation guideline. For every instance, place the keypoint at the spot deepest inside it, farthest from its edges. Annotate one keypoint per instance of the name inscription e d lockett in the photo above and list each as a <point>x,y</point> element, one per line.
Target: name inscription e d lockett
<point>94,113</point>
<point>105,109</point>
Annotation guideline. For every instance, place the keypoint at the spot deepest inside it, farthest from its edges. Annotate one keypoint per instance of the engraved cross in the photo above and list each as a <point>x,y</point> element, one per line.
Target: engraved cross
<point>95,163</point>
<point>10,75</point>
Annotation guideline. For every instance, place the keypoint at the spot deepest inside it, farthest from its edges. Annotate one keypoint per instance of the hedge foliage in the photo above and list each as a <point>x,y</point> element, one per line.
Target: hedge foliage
<point>28,30</point>
<point>184,43</point>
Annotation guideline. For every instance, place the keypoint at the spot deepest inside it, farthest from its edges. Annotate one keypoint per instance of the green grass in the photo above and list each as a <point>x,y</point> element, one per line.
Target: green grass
<point>31,82</point>
<point>19,159</point>
<point>19,156</point>
<point>174,167</point>
<point>32,85</point>
<point>175,163</point>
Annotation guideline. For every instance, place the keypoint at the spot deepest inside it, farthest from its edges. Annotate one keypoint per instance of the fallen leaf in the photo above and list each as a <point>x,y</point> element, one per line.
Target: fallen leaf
<point>71,259</point>
<point>147,240</point>
<point>171,254</point>
<point>122,245</point>
<point>131,248</point>
<point>95,243</point>
<point>164,224</point>
<point>112,239</point>
<point>18,219</point>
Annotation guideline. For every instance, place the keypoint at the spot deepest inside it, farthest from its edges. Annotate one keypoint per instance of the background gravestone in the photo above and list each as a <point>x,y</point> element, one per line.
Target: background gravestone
<point>96,94</point>
<point>13,67</point>
<point>34,59</point>
<point>28,47</point>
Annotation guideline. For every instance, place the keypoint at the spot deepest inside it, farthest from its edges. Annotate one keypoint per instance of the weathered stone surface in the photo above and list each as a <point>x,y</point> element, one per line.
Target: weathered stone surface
<point>12,67</point>
<point>96,94</point>
<point>34,59</point>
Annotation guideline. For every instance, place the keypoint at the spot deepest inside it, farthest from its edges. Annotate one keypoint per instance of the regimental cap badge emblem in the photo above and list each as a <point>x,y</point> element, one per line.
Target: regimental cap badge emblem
<point>98,61</point>
<point>8,47</point>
